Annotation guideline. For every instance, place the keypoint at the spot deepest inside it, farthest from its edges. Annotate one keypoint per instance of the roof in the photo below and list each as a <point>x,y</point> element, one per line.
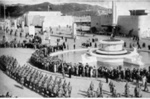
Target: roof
<point>45,13</point>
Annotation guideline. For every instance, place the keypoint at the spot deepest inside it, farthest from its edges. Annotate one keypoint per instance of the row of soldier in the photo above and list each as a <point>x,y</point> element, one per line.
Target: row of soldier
<point>113,91</point>
<point>34,79</point>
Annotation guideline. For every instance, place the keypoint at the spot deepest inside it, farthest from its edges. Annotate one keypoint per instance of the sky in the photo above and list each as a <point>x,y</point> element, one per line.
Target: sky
<point>123,6</point>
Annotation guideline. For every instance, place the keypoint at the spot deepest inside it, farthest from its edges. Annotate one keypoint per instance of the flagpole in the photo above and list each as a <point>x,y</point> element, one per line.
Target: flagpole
<point>4,21</point>
<point>48,7</point>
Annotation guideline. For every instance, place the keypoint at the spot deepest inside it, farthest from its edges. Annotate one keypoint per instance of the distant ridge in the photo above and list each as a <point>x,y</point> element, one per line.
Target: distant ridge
<point>73,9</point>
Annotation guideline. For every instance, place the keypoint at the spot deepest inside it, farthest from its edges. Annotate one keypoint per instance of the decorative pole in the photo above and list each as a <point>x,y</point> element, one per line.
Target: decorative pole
<point>4,21</point>
<point>48,8</point>
<point>113,19</point>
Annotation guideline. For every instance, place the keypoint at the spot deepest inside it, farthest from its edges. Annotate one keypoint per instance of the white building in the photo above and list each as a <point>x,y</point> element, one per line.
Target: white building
<point>37,17</point>
<point>138,23</point>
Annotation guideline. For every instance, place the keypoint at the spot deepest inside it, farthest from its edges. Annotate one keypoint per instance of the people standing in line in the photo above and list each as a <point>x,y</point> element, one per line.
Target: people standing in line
<point>77,70</point>
<point>80,69</point>
<point>106,75</point>
<point>91,71</point>
<point>145,85</point>
<point>143,80</point>
<point>70,71</point>
<point>55,68</point>
<point>83,72</point>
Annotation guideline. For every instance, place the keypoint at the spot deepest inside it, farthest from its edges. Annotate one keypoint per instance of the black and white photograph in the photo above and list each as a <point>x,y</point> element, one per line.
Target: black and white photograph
<point>74,48</point>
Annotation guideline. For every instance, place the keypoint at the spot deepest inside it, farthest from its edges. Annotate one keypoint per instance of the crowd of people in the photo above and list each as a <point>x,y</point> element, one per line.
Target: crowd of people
<point>54,64</point>
<point>35,79</point>
<point>35,42</point>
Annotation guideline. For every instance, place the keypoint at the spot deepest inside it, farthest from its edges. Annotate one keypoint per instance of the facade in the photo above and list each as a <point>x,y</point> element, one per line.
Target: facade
<point>100,21</point>
<point>139,24</point>
<point>37,17</point>
<point>83,23</point>
<point>57,22</point>
<point>93,21</point>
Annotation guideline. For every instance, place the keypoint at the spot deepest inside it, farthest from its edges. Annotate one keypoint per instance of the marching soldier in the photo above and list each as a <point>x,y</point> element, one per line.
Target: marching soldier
<point>90,91</point>
<point>50,86</point>
<point>127,91</point>
<point>114,94</point>
<point>69,89</point>
<point>137,91</point>
<point>65,88</point>
<point>60,92</point>
<point>110,86</point>
<point>22,81</point>
<point>55,90</point>
<point>100,90</point>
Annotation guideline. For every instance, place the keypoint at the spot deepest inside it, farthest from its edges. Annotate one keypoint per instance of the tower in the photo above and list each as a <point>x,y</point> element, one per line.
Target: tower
<point>113,13</point>
<point>113,19</point>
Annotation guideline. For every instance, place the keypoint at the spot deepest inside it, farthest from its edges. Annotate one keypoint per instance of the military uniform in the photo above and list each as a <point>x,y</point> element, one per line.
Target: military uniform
<point>69,89</point>
<point>127,91</point>
<point>100,90</point>
<point>90,91</point>
<point>110,86</point>
<point>137,91</point>
<point>60,92</point>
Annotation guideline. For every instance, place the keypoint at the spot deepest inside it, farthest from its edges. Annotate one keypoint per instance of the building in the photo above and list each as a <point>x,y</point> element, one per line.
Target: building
<point>93,21</point>
<point>100,21</point>
<point>36,18</point>
<point>83,23</point>
<point>137,22</point>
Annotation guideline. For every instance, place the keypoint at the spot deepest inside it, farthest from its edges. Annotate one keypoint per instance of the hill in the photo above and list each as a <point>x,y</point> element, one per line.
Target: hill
<point>74,9</point>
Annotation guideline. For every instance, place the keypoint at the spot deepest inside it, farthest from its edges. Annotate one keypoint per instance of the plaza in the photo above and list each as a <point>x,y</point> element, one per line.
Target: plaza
<point>79,84</point>
<point>49,54</point>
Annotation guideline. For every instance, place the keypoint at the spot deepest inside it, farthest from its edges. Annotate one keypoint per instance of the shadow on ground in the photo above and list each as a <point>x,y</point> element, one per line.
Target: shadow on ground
<point>18,86</point>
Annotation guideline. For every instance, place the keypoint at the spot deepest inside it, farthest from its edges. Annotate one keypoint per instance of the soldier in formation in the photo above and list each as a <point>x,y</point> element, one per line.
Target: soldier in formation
<point>127,91</point>
<point>34,79</point>
<point>137,91</point>
<point>90,91</point>
<point>100,90</point>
